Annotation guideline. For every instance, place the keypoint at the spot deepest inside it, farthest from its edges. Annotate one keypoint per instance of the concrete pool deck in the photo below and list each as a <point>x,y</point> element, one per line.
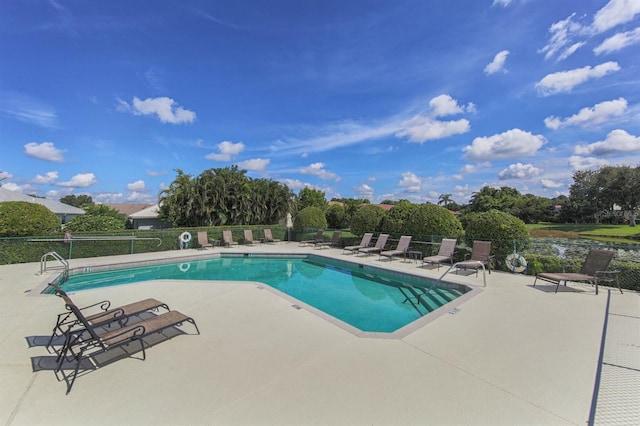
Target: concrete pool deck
<point>512,354</point>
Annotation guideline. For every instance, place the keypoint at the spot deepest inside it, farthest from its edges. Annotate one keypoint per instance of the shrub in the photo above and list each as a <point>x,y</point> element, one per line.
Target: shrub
<point>431,219</point>
<point>21,218</point>
<point>501,228</point>
<point>395,220</point>
<point>309,217</point>
<point>366,219</point>
<point>91,223</point>
<point>336,216</point>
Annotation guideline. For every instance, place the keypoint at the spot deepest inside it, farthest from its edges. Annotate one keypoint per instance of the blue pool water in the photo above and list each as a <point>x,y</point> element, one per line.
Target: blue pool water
<point>371,303</point>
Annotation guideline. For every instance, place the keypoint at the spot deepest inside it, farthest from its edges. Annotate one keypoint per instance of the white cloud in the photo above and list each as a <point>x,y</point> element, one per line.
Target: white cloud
<point>48,177</point>
<point>471,168</point>
<point>614,13</point>
<point>293,183</point>
<point>256,164</point>
<point>443,105</point>
<point>364,191</point>
<point>27,109</point>
<point>617,142</point>
<point>548,183</point>
<point>156,173</point>
<point>139,197</point>
<point>109,197</point>
<point>503,3</point>
<point>164,108</point>
<point>562,34</point>
<point>12,186</point>
<point>510,144</point>
<point>227,150</point>
<point>421,129</point>
<point>586,163</point>
<point>44,151</point>
<point>410,182</point>
<point>565,81</point>
<point>424,127</point>
<point>136,186</point>
<point>599,113</point>
<point>497,64</point>
<point>317,169</point>
<point>519,171</point>
<point>5,176</point>
<point>81,180</point>
<point>618,41</point>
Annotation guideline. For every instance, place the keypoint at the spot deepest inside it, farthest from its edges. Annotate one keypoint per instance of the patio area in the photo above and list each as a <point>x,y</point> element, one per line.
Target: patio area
<point>511,354</point>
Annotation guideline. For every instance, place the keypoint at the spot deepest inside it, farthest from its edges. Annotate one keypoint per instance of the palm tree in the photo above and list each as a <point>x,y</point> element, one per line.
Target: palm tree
<point>444,200</point>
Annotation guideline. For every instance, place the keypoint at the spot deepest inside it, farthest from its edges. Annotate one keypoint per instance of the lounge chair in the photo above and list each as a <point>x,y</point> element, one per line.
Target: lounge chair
<point>268,237</point>
<point>594,270</point>
<point>481,258</point>
<point>335,241</point>
<point>203,239</point>
<point>366,240</point>
<point>227,238</point>
<point>318,239</point>
<point>76,345</point>
<point>248,237</point>
<point>104,316</point>
<point>380,243</point>
<point>400,250</point>
<point>445,253</point>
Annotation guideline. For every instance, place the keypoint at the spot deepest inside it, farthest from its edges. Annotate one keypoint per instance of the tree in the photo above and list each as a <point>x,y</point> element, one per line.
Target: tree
<point>396,219</point>
<point>308,197</point>
<point>223,196</point>
<point>98,218</point>
<point>431,219</point>
<point>79,201</point>
<point>336,216</point>
<point>367,219</point>
<point>21,218</point>
<point>309,217</point>
<point>444,200</point>
<point>502,229</point>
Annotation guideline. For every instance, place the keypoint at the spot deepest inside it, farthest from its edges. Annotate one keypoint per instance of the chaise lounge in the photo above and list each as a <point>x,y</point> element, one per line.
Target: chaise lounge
<point>365,242</point>
<point>445,253</point>
<point>593,271</point>
<point>227,239</point>
<point>268,237</point>
<point>105,316</point>
<point>203,240</point>
<point>380,243</point>
<point>79,341</point>
<point>335,241</point>
<point>400,250</point>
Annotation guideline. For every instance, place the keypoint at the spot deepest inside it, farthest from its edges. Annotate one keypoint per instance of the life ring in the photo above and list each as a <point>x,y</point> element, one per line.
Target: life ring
<point>184,267</point>
<point>185,237</point>
<point>516,262</point>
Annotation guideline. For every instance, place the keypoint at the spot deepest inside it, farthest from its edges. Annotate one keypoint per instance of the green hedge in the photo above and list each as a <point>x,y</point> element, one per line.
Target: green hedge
<point>23,250</point>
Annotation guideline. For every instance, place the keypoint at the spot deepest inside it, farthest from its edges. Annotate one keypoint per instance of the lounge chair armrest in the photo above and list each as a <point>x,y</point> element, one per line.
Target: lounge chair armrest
<point>104,305</point>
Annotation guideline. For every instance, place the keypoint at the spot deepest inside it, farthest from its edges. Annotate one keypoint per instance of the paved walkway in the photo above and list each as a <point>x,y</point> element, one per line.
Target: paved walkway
<point>512,354</point>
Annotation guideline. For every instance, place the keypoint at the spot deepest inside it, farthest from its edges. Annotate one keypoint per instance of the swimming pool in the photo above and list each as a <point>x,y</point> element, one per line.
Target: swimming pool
<point>369,299</point>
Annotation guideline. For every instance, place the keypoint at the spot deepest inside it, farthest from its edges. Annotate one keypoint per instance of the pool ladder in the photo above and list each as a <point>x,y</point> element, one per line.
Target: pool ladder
<point>56,256</point>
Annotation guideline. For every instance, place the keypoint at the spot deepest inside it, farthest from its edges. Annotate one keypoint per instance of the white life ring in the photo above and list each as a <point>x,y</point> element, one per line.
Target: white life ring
<point>185,237</point>
<point>184,267</point>
<point>516,262</point>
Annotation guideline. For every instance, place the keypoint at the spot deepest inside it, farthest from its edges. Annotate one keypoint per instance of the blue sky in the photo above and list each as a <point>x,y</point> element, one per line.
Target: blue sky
<point>368,99</point>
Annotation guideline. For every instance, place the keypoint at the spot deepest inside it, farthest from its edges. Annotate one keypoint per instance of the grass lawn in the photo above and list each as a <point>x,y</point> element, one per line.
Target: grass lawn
<point>585,230</point>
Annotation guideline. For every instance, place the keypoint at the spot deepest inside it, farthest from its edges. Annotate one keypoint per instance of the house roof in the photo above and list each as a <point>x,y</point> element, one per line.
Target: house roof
<point>129,208</point>
<point>55,206</point>
<point>150,212</point>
